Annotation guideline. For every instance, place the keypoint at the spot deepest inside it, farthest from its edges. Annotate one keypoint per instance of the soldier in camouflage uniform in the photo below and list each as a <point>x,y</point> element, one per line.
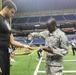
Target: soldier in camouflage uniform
<point>56,46</point>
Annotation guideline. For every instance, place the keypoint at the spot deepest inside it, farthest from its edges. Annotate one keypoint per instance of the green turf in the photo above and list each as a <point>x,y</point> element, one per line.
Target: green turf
<point>70,74</point>
<point>0,4</point>
<point>26,65</point>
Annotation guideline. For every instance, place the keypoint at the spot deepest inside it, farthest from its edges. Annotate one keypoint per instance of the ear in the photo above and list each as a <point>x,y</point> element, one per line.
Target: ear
<point>6,8</point>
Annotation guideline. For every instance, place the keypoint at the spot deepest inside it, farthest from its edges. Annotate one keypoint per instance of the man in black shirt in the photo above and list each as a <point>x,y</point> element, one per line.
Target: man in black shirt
<point>6,37</point>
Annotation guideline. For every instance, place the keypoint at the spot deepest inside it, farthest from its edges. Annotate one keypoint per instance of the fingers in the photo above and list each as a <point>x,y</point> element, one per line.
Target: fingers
<point>30,48</point>
<point>27,46</point>
<point>0,71</point>
<point>48,49</point>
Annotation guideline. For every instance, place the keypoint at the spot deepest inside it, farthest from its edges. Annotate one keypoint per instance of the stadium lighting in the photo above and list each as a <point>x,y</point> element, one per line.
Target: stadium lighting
<point>37,25</point>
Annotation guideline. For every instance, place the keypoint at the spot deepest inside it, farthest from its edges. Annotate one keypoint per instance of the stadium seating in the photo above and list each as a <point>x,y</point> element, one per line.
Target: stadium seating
<point>38,22</point>
<point>22,20</point>
<point>33,19</point>
<point>38,41</point>
<point>21,40</point>
<point>70,17</point>
<point>44,18</point>
<point>58,17</point>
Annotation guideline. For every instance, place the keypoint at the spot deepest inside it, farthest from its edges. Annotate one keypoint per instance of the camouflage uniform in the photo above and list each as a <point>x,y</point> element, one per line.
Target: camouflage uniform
<point>58,41</point>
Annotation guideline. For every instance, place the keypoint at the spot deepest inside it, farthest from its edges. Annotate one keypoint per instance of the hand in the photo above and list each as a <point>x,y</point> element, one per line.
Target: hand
<point>27,46</point>
<point>0,71</point>
<point>29,36</point>
<point>48,49</point>
<point>30,48</point>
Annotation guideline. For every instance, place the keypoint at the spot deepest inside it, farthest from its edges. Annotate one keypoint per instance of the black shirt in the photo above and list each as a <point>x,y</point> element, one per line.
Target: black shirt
<point>4,33</point>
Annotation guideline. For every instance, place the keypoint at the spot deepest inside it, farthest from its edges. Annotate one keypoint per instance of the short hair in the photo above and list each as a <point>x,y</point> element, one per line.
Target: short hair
<point>10,4</point>
<point>51,21</point>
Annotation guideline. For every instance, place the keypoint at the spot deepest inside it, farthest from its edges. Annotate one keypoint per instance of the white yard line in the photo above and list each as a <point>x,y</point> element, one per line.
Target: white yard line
<point>65,71</point>
<point>63,60</point>
<point>37,68</point>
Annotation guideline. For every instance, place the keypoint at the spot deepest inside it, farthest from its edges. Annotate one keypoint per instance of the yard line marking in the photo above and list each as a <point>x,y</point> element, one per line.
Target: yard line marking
<point>69,60</point>
<point>65,71</point>
<point>38,65</point>
<point>37,68</point>
<point>63,60</point>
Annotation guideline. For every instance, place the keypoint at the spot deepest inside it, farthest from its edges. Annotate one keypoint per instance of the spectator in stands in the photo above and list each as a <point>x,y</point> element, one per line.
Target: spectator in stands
<point>56,46</point>
<point>73,44</point>
<point>6,37</point>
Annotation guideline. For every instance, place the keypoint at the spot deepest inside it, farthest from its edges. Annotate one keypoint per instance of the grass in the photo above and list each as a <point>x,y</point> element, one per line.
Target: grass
<point>26,64</point>
<point>0,4</point>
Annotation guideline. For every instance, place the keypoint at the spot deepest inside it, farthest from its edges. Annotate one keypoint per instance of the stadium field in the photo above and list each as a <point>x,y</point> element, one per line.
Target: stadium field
<point>26,64</point>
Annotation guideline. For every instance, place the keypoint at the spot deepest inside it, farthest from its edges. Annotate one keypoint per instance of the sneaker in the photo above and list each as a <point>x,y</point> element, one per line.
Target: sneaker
<point>12,60</point>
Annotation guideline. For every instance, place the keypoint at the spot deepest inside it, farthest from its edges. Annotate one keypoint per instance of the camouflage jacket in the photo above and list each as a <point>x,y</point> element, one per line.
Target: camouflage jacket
<point>58,41</point>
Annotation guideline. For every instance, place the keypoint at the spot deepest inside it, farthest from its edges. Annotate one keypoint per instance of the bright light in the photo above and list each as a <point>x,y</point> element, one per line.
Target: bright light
<point>37,25</point>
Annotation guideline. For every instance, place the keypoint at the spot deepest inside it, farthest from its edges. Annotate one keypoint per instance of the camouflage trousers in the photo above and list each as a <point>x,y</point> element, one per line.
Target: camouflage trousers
<point>50,70</point>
